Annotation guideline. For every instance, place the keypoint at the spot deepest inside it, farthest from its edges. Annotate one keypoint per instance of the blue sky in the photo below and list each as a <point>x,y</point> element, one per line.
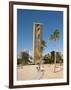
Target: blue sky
<point>51,20</point>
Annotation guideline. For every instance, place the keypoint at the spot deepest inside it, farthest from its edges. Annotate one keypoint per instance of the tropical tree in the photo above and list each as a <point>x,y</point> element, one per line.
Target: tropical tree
<point>58,36</point>
<point>54,36</point>
<point>25,58</point>
<point>51,37</point>
<point>42,45</point>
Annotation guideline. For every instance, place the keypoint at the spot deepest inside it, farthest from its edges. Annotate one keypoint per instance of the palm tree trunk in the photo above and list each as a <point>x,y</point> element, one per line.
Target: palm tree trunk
<point>59,49</point>
<point>55,60</point>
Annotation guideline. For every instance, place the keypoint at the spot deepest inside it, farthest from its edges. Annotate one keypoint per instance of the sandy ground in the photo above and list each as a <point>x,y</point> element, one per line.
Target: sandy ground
<point>30,72</point>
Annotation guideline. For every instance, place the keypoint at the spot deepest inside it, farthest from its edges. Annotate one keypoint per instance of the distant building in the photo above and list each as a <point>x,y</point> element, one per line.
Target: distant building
<point>37,36</point>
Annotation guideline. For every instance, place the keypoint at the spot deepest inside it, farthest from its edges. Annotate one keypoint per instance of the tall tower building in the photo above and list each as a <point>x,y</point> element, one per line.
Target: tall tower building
<point>37,37</point>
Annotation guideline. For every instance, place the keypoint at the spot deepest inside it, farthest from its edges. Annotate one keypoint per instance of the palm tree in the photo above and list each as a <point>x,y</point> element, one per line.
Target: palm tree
<point>42,45</point>
<point>51,37</point>
<point>56,35</point>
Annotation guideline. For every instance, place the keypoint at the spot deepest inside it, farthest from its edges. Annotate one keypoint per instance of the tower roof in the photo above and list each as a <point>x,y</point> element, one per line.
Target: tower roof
<point>38,23</point>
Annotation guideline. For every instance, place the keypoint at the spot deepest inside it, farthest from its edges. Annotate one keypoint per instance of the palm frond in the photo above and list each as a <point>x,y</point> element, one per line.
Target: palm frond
<point>51,37</point>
